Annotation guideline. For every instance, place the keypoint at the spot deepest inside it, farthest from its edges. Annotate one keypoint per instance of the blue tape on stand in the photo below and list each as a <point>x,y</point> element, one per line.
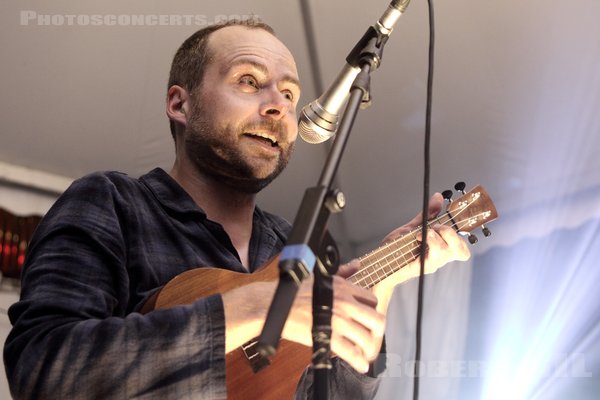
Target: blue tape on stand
<point>299,252</point>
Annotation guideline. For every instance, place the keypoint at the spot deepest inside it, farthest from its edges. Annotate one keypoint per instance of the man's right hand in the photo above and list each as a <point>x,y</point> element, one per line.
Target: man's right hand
<point>357,327</point>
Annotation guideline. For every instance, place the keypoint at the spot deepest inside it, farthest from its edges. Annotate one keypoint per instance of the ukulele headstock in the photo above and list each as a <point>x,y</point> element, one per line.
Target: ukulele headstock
<point>471,210</point>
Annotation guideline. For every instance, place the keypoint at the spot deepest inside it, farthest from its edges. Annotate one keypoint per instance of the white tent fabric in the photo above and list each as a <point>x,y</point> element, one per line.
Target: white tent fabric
<point>516,108</point>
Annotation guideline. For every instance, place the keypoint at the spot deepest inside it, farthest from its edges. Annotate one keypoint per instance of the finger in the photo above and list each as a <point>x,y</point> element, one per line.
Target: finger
<point>367,317</point>
<point>435,204</point>
<point>349,352</point>
<point>437,251</point>
<point>458,246</point>
<point>344,290</point>
<point>359,306</point>
<point>347,270</point>
<point>444,245</point>
<point>362,337</point>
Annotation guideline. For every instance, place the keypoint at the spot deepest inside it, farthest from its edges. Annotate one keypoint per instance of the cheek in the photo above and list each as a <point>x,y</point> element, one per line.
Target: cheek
<point>238,102</point>
<point>221,101</point>
<point>222,113</point>
<point>292,123</point>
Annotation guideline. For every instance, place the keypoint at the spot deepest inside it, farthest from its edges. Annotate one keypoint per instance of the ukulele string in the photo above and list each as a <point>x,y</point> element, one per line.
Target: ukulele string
<point>385,267</point>
<point>413,244</point>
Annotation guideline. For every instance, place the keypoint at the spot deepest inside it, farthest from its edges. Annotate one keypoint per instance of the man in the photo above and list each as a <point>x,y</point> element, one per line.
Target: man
<point>111,241</point>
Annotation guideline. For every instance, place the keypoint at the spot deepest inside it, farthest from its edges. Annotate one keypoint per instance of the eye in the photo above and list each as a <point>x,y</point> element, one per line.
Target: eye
<point>249,80</point>
<point>288,95</point>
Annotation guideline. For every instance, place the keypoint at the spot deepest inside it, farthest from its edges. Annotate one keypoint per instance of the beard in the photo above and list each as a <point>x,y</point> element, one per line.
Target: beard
<point>215,151</point>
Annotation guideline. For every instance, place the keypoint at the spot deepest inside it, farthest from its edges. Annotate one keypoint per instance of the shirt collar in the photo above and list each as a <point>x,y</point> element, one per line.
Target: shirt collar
<point>174,197</point>
<point>169,193</point>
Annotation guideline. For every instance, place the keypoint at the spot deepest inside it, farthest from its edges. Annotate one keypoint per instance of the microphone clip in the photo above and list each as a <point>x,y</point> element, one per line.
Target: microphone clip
<point>369,49</point>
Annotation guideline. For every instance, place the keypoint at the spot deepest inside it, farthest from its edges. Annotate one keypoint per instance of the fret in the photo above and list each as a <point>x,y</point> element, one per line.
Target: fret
<point>388,269</point>
<point>376,271</point>
<point>413,251</point>
<point>368,278</point>
<point>243,381</point>
<point>398,253</point>
<point>388,259</point>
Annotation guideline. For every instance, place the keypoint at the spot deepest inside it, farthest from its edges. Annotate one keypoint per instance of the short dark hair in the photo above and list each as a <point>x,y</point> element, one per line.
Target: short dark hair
<point>187,68</point>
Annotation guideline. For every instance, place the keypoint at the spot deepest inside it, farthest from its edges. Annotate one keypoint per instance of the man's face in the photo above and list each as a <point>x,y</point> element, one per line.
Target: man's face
<point>243,126</point>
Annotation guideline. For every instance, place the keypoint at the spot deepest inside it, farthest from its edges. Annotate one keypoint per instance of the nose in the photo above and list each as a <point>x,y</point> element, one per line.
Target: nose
<point>275,105</point>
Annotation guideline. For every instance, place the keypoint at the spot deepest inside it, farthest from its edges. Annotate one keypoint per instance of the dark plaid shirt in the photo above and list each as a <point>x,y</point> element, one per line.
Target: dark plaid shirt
<point>106,245</point>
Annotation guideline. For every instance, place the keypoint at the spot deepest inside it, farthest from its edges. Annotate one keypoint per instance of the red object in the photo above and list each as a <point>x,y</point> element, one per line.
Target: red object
<point>15,234</point>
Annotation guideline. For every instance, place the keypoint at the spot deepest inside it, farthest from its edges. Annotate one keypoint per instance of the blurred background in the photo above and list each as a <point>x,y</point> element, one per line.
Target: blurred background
<point>516,108</point>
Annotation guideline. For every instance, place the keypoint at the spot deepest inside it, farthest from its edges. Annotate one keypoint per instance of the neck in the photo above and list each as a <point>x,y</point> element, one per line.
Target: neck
<point>229,207</point>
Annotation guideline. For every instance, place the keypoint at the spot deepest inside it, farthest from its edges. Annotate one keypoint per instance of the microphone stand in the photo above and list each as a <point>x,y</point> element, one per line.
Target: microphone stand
<point>309,234</point>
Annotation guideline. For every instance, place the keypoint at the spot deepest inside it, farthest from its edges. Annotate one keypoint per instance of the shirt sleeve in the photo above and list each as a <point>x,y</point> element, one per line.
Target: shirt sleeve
<point>72,335</point>
<point>344,383</point>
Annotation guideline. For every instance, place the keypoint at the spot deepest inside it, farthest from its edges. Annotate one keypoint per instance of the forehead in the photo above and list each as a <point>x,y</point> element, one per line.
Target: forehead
<point>234,43</point>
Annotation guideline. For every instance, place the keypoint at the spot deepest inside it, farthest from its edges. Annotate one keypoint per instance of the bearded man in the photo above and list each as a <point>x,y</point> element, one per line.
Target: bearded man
<point>111,241</point>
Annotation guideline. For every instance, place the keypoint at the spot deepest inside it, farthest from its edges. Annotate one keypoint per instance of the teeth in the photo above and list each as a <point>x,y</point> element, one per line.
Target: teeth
<point>265,136</point>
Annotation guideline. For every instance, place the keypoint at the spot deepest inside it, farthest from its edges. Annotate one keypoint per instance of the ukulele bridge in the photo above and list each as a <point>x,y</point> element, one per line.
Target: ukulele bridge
<point>255,359</point>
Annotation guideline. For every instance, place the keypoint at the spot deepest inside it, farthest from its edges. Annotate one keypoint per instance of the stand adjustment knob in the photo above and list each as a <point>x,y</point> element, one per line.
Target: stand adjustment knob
<point>336,201</point>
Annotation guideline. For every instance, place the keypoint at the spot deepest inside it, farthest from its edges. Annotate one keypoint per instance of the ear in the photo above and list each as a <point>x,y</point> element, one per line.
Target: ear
<point>178,104</point>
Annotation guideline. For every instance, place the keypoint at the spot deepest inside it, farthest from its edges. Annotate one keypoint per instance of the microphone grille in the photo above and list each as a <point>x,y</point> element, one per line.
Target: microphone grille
<point>309,135</point>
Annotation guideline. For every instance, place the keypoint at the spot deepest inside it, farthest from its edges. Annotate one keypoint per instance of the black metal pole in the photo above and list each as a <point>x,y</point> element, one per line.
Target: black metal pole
<point>323,290</point>
<point>302,251</point>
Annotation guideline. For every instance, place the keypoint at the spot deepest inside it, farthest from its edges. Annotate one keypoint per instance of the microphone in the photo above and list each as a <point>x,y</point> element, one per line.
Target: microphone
<point>319,119</point>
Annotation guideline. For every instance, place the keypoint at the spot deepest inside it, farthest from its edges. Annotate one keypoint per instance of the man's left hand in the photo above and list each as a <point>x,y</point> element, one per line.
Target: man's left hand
<point>444,246</point>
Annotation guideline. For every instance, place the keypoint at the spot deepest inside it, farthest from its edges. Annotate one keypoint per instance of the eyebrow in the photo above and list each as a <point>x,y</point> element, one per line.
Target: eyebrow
<point>260,67</point>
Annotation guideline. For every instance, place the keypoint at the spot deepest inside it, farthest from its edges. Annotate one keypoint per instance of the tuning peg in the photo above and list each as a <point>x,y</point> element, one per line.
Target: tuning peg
<point>460,187</point>
<point>472,238</point>
<point>447,194</point>
<point>486,231</point>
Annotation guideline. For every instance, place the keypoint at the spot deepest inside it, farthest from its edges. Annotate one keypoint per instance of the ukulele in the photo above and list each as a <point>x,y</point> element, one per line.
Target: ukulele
<point>252,376</point>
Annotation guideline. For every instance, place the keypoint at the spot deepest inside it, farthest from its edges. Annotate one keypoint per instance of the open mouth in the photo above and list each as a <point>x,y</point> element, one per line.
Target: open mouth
<point>263,137</point>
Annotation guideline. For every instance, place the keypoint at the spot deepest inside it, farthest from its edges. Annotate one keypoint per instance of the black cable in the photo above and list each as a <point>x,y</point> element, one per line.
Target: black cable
<point>426,172</point>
